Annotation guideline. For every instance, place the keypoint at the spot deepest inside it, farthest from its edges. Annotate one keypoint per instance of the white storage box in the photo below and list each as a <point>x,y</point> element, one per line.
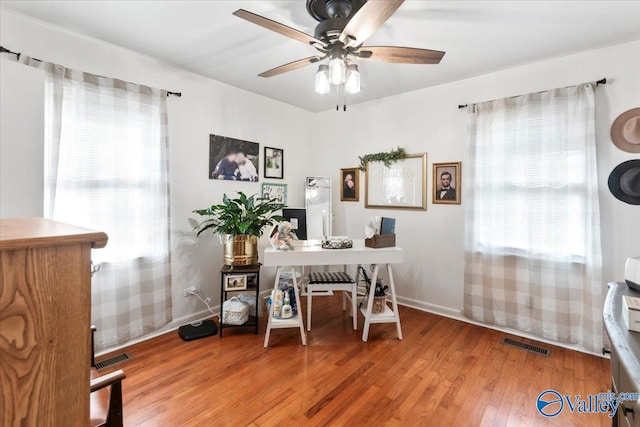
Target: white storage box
<point>235,312</point>
<point>251,302</point>
<point>631,312</point>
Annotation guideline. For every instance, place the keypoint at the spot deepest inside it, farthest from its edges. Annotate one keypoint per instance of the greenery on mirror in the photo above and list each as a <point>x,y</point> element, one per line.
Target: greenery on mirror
<point>240,216</point>
<point>385,157</point>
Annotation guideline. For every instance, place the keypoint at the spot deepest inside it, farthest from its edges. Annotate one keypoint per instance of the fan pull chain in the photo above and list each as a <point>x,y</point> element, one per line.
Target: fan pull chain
<point>344,98</point>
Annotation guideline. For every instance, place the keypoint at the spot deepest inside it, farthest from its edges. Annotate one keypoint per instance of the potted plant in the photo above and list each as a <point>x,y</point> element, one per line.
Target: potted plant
<point>240,223</point>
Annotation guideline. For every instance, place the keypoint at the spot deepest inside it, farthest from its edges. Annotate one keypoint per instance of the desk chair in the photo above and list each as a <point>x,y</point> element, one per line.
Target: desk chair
<point>333,281</point>
<point>106,394</point>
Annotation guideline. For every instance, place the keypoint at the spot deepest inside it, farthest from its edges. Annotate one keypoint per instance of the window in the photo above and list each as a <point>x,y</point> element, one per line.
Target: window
<point>531,181</point>
<point>106,168</point>
<point>532,246</point>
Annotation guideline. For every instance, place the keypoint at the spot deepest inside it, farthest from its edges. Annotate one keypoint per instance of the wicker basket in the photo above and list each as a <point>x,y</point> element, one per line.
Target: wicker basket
<point>379,304</point>
<point>235,312</point>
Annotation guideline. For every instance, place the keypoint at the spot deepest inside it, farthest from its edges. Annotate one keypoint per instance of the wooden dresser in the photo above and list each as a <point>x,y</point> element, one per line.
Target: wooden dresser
<point>45,316</point>
<point>625,355</point>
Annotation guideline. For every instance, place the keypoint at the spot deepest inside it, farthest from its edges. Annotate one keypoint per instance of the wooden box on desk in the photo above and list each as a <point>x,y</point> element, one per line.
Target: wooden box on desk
<point>381,241</point>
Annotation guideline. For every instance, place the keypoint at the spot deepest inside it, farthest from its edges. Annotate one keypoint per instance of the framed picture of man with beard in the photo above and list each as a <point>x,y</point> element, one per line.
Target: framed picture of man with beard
<point>447,183</point>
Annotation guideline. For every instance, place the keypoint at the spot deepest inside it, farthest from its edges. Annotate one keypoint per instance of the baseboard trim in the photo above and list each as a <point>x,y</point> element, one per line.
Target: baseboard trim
<point>170,327</point>
<point>404,301</point>
<point>457,315</point>
<point>173,326</point>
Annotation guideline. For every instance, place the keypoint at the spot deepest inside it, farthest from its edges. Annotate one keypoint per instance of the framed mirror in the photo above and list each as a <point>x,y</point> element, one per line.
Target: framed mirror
<point>319,207</point>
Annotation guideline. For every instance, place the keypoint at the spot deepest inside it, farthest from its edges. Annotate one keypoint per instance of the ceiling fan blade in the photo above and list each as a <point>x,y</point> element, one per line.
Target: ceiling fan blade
<point>279,28</point>
<point>367,20</point>
<point>291,66</point>
<point>401,55</point>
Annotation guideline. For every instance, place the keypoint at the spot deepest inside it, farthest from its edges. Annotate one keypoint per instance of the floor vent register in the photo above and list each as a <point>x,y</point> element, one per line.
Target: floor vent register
<point>113,360</point>
<point>528,347</point>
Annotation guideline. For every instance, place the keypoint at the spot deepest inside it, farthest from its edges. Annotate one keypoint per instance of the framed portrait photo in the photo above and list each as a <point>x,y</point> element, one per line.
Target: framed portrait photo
<point>233,159</point>
<point>235,282</point>
<point>273,163</point>
<point>273,191</point>
<point>447,183</point>
<point>350,184</point>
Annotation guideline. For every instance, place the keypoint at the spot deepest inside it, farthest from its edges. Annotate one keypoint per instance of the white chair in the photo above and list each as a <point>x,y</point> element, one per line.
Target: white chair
<point>322,282</point>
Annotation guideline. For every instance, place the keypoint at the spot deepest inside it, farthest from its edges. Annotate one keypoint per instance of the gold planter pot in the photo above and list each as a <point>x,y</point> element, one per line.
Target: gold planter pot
<point>240,250</point>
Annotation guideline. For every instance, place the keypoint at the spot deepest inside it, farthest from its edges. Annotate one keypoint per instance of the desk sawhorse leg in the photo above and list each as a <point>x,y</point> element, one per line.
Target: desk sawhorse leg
<point>389,315</point>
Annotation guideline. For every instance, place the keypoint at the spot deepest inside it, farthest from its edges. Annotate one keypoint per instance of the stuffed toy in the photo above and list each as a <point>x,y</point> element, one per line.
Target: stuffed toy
<point>283,236</point>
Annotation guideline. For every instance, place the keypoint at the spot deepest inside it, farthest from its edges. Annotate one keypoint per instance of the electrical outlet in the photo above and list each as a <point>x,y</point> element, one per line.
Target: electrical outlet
<point>190,290</point>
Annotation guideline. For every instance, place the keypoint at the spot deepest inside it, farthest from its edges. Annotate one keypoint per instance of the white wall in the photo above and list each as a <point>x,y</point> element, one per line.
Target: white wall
<point>21,145</point>
<point>429,121</point>
<point>423,121</point>
<point>206,107</point>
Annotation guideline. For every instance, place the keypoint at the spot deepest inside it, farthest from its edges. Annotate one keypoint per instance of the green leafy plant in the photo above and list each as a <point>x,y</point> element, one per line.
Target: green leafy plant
<point>385,157</point>
<point>240,216</point>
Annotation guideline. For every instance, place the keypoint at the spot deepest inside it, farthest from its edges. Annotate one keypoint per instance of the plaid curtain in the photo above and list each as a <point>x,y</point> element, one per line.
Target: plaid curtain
<point>106,168</point>
<point>532,244</point>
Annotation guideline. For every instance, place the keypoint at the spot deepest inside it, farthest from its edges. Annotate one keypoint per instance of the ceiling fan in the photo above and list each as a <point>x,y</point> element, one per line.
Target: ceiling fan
<point>343,26</point>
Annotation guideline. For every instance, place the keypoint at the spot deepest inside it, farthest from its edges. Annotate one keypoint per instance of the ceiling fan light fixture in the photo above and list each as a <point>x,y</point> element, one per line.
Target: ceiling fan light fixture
<point>322,80</point>
<point>353,83</point>
<point>343,28</point>
<point>337,68</point>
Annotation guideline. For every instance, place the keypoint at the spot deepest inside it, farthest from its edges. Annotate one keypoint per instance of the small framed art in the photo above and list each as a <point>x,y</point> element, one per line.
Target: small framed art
<point>349,184</point>
<point>275,191</point>
<point>447,183</point>
<point>273,163</point>
<point>235,282</point>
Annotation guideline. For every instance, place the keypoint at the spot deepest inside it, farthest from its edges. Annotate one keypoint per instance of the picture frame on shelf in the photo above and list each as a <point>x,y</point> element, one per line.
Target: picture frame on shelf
<point>233,159</point>
<point>273,163</point>
<point>349,184</point>
<point>400,185</point>
<point>447,183</point>
<point>272,190</point>
<point>235,282</point>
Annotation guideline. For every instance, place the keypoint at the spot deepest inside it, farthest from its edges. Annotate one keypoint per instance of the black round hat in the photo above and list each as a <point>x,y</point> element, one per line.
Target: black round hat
<point>624,182</point>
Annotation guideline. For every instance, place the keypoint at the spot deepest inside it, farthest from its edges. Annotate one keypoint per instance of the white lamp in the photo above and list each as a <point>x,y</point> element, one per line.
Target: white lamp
<point>352,83</point>
<point>322,80</point>
<point>337,68</point>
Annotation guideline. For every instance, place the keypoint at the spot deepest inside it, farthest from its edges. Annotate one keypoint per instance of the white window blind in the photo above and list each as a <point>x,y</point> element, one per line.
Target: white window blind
<point>532,245</point>
<point>106,168</point>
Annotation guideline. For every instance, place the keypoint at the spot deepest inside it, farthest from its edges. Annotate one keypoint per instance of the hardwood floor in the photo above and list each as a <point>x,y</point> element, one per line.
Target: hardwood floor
<point>444,373</point>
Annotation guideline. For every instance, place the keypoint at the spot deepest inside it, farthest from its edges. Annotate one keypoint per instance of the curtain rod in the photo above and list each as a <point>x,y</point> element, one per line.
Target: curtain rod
<point>18,54</point>
<point>602,81</point>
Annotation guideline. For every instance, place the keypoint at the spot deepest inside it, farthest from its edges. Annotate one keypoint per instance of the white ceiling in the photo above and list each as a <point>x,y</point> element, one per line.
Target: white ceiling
<point>478,36</point>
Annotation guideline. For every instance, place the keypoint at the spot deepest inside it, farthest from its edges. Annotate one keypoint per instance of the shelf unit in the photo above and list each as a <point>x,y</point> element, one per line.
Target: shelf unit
<point>253,288</point>
<point>293,322</point>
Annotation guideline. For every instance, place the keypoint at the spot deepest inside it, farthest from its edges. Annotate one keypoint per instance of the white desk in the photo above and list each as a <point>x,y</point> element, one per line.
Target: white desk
<point>316,255</point>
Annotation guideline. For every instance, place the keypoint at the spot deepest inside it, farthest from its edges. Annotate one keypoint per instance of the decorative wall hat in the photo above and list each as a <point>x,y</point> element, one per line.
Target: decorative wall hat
<point>624,182</point>
<point>625,131</point>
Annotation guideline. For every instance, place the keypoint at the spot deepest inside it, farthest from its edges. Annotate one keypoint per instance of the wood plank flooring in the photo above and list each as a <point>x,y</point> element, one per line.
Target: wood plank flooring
<point>444,373</point>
